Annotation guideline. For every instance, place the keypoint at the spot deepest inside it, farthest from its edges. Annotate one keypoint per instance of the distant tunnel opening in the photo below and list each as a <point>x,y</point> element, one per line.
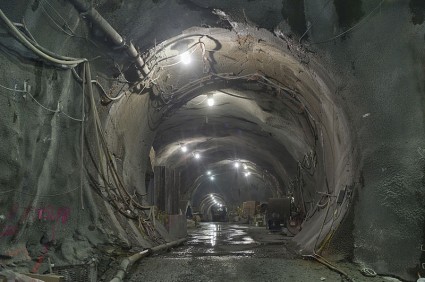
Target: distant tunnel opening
<point>224,98</point>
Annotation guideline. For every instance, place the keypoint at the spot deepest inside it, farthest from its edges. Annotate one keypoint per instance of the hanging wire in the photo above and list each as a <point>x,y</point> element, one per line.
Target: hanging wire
<point>82,138</point>
<point>351,28</point>
<point>50,195</point>
<point>57,110</point>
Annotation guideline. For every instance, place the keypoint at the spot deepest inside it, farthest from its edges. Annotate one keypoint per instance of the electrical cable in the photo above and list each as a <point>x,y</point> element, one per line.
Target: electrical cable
<point>82,139</point>
<point>44,107</point>
<point>49,195</point>
<point>56,24</point>
<point>11,89</point>
<point>351,28</point>
<point>48,52</point>
<point>101,142</point>
<point>37,51</point>
<point>97,83</point>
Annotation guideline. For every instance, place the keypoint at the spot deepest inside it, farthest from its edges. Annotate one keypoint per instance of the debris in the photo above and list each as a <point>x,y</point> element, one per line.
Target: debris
<point>366,115</point>
<point>322,278</point>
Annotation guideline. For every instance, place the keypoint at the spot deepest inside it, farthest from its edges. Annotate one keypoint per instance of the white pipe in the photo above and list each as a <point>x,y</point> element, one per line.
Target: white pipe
<point>128,262</point>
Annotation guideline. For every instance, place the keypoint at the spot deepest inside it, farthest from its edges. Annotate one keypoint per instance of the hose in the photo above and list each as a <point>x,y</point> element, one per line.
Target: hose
<point>33,48</point>
<point>329,265</point>
<point>128,262</point>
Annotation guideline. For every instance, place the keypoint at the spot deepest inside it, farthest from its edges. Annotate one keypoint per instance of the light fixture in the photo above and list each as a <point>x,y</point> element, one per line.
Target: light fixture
<point>197,156</point>
<point>210,100</point>
<point>236,164</point>
<point>245,166</point>
<point>184,149</point>
<point>247,174</point>
<point>185,58</point>
<point>209,172</point>
<point>212,177</point>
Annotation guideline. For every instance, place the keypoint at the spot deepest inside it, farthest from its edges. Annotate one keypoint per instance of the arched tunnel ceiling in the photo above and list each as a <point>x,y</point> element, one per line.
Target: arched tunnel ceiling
<point>242,124</point>
<point>251,119</point>
<point>286,104</point>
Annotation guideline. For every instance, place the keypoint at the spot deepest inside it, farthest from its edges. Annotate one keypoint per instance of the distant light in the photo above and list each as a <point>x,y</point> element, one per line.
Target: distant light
<point>185,58</point>
<point>184,149</point>
<point>212,177</point>
<point>197,156</point>
<point>236,164</point>
<point>247,174</point>
<point>209,172</point>
<point>245,167</point>
<point>210,100</point>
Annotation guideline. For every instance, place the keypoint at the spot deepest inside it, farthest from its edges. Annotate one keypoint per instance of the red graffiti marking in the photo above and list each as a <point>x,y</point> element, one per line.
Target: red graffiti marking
<point>40,259</point>
<point>49,213</point>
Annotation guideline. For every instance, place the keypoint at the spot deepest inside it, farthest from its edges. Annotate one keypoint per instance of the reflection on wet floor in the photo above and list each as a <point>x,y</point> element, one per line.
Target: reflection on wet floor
<point>219,239</point>
<point>229,252</point>
<point>219,233</point>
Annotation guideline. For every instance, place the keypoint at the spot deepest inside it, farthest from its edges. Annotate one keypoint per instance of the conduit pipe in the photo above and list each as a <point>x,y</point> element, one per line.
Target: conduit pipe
<point>94,16</point>
<point>128,262</point>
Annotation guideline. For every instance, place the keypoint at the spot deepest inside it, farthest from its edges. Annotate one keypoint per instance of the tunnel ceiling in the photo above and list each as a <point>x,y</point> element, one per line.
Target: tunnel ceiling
<point>255,117</point>
<point>241,125</point>
<point>327,100</point>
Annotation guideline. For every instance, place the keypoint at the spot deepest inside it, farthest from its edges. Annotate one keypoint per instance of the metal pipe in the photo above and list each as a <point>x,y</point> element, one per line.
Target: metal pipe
<point>128,262</point>
<point>97,19</point>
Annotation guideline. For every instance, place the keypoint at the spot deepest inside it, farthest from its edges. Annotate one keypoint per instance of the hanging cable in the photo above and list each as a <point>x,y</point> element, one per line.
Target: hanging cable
<point>351,28</point>
<point>33,48</point>
<point>82,138</point>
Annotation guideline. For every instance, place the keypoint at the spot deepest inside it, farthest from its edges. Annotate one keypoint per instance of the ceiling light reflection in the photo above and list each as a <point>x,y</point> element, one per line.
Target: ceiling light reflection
<point>185,58</point>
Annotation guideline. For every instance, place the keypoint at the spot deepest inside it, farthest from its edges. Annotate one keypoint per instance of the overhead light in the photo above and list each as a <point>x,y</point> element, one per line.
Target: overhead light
<point>184,149</point>
<point>185,58</point>
<point>210,100</point>
<point>197,156</point>
<point>245,167</point>
<point>247,174</point>
<point>209,172</point>
<point>212,177</point>
<point>236,164</point>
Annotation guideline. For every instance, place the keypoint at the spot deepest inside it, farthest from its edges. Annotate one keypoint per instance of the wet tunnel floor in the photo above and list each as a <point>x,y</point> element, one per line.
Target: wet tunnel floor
<point>231,252</point>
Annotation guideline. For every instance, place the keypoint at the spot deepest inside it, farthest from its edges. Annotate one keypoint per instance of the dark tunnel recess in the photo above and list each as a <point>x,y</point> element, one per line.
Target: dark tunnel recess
<point>274,114</point>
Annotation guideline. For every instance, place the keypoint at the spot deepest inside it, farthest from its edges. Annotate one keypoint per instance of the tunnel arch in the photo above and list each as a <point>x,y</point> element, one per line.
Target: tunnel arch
<point>262,64</point>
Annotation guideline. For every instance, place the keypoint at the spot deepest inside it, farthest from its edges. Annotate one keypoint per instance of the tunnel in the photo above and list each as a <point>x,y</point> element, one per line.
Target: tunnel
<point>232,134</point>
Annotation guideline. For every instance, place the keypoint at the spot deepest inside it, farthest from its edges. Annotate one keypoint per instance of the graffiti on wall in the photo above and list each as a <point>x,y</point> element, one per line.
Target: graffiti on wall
<point>44,213</point>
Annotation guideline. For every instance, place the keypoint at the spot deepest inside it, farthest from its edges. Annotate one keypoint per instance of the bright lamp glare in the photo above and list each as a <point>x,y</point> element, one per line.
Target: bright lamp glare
<point>184,149</point>
<point>209,172</point>
<point>197,156</point>
<point>210,101</point>
<point>245,166</point>
<point>212,177</point>
<point>185,58</point>
<point>236,164</point>
<point>247,173</point>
